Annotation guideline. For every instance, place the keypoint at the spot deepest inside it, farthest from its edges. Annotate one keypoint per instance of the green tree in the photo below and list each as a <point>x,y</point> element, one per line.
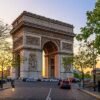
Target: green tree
<point>67,62</point>
<point>87,75</point>
<point>92,26</point>
<point>5,47</point>
<point>76,75</point>
<point>4,31</point>
<point>7,59</point>
<point>92,29</point>
<point>85,58</point>
<point>5,56</point>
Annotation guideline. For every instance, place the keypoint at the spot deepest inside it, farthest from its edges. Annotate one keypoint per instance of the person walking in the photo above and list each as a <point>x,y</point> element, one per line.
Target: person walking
<point>12,83</point>
<point>1,84</point>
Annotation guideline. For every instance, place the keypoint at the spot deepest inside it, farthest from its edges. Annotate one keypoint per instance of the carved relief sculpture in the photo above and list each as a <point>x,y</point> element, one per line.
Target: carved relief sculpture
<point>32,62</point>
<point>32,40</point>
<point>68,68</point>
<point>66,46</point>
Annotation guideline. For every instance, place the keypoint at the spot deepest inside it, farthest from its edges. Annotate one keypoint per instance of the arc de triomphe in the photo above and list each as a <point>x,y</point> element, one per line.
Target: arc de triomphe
<point>39,45</point>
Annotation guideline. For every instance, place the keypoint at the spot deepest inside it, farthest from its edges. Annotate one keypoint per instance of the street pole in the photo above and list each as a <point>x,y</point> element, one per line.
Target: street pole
<point>94,70</point>
<point>2,78</point>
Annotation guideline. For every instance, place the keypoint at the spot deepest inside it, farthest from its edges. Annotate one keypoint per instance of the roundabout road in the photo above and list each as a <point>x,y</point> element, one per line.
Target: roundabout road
<point>42,91</point>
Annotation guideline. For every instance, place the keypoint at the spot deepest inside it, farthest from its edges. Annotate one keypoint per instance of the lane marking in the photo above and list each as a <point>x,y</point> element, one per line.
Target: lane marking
<point>48,96</point>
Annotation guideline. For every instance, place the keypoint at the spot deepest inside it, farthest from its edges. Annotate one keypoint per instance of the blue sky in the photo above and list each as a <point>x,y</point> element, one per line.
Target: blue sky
<point>70,11</point>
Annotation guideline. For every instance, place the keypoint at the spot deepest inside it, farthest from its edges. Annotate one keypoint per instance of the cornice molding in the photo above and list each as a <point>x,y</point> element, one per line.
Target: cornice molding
<point>27,24</point>
<point>42,18</point>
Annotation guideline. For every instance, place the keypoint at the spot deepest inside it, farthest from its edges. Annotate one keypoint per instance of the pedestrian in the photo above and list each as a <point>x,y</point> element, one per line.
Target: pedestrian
<point>1,84</point>
<point>12,83</point>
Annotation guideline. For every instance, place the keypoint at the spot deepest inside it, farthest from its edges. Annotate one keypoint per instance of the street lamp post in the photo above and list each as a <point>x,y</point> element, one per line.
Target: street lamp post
<point>94,66</point>
<point>94,80</point>
<point>94,70</point>
<point>2,78</point>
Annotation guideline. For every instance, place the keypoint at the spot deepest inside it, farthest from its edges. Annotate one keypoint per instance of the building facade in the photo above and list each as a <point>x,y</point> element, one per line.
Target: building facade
<point>39,45</point>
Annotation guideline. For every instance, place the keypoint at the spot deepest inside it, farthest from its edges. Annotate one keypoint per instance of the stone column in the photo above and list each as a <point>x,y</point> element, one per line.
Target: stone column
<point>24,70</point>
<point>57,66</point>
<point>16,64</point>
<point>13,73</point>
<point>46,66</point>
<point>39,64</point>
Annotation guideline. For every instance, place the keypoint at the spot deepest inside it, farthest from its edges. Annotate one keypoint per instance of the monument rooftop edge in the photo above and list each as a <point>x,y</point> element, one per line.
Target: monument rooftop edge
<point>36,21</point>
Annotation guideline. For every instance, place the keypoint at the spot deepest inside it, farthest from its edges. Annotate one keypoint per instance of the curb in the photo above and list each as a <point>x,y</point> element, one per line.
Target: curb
<point>94,95</point>
<point>4,88</point>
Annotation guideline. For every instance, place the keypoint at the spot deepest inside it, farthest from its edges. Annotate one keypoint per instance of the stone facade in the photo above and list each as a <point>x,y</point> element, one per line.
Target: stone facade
<point>32,34</point>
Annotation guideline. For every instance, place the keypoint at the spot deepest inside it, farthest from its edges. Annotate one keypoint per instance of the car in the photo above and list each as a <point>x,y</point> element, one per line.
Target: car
<point>87,80</point>
<point>54,80</point>
<point>45,80</point>
<point>65,84</point>
<point>24,79</point>
<point>39,80</point>
<point>30,79</point>
<point>3,81</point>
<point>75,80</point>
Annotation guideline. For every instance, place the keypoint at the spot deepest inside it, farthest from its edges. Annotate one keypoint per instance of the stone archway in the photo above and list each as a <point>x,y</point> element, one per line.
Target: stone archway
<point>50,51</point>
<point>31,35</point>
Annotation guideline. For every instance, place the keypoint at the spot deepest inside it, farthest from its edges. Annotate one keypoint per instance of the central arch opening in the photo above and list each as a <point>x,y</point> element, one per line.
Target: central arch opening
<point>49,60</point>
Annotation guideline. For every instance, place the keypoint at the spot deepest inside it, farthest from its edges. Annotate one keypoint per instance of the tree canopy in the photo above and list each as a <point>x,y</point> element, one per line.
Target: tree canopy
<point>4,31</point>
<point>92,26</point>
<point>5,47</point>
<point>5,55</point>
<point>85,57</point>
<point>67,62</point>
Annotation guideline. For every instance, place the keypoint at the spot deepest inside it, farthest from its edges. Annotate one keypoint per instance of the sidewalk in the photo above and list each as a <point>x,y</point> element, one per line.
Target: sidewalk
<point>6,86</point>
<point>95,94</point>
<point>89,91</point>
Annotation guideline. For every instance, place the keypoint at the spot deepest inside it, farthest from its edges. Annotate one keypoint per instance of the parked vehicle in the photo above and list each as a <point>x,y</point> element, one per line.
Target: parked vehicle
<point>45,80</point>
<point>29,80</point>
<point>24,79</point>
<point>39,80</point>
<point>75,80</point>
<point>54,80</point>
<point>64,84</point>
<point>3,81</point>
<point>87,80</point>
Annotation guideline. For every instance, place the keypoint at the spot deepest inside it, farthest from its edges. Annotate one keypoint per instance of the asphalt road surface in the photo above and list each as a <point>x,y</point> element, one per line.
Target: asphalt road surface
<point>42,91</point>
